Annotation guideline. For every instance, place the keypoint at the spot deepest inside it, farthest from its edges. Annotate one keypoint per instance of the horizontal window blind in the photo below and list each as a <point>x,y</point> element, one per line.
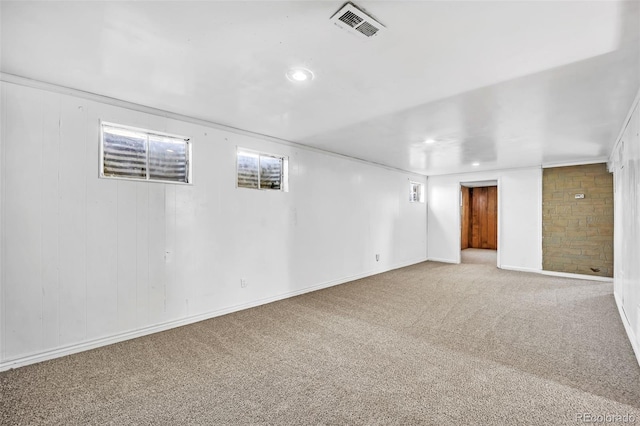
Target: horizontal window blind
<point>125,154</point>
<point>270,172</point>
<point>137,154</point>
<point>248,170</point>
<point>168,160</point>
<point>259,171</point>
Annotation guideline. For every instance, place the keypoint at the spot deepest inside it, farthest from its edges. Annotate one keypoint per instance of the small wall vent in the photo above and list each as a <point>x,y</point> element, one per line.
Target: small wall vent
<point>355,21</point>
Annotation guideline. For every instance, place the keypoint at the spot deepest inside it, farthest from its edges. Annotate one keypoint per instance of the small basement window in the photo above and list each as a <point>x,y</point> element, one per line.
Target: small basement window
<point>416,192</point>
<point>139,154</point>
<point>261,171</point>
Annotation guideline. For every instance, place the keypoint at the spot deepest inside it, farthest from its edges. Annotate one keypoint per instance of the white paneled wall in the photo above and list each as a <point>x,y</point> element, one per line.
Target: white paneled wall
<point>625,164</point>
<point>88,261</point>
<point>519,217</point>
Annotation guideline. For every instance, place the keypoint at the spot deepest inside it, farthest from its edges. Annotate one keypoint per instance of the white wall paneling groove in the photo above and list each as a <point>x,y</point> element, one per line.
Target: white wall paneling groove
<point>89,261</point>
<point>625,165</point>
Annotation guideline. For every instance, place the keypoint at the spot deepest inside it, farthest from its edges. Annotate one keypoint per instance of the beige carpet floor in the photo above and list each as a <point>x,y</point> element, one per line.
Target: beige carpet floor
<point>479,256</point>
<point>427,344</point>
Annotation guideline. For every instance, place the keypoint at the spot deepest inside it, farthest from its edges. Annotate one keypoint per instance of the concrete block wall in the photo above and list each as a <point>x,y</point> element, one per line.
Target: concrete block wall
<point>577,233</point>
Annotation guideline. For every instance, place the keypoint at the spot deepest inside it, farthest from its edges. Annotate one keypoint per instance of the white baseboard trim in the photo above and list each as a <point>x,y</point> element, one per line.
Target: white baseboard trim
<point>120,337</point>
<point>438,259</point>
<point>518,268</point>
<point>635,345</point>
<point>558,274</point>
<point>577,276</point>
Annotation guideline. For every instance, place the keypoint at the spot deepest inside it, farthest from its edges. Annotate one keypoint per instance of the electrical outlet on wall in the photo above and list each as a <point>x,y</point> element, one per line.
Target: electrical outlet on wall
<point>243,283</point>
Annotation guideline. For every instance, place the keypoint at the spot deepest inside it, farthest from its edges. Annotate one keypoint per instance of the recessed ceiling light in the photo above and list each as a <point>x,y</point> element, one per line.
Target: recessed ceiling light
<point>475,164</point>
<point>299,74</point>
<point>429,141</point>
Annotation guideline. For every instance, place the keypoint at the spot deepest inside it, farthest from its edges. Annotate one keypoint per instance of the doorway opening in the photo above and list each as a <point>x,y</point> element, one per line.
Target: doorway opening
<point>479,222</point>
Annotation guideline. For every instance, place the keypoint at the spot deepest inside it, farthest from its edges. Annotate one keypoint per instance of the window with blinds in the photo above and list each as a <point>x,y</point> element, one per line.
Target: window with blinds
<point>416,192</point>
<point>131,153</point>
<point>261,171</point>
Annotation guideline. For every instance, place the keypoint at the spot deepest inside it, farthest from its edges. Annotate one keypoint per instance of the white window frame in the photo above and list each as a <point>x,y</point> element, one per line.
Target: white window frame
<point>284,178</point>
<point>186,140</point>
<point>420,191</point>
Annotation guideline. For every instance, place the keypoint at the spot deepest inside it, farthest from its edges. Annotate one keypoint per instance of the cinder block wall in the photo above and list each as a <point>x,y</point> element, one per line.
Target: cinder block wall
<point>577,234</point>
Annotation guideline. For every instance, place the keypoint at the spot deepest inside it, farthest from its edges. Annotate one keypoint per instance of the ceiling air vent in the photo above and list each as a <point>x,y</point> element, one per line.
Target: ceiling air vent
<point>355,21</point>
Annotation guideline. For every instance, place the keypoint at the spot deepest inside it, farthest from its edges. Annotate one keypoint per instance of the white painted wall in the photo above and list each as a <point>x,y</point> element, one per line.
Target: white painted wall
<point>625,164</point>
<point>89,261</point>
<point>519,217</point>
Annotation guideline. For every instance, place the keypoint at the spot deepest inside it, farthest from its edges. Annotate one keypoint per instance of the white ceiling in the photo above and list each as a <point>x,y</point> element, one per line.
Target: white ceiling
<point>503,83</point>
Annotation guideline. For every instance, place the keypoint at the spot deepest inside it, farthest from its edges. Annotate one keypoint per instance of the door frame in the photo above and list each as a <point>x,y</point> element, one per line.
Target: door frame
<point>480,182</point>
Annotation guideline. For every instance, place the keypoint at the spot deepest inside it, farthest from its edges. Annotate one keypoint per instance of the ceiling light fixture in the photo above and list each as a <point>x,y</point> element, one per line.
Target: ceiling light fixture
<point>429,141</point>
<point>299,75</point>
<point>475,164</point>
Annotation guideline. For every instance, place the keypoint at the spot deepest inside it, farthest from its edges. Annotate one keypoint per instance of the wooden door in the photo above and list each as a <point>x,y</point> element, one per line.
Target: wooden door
<point>492,218</point>
<point>483,232</point>
<point>465,219</point>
